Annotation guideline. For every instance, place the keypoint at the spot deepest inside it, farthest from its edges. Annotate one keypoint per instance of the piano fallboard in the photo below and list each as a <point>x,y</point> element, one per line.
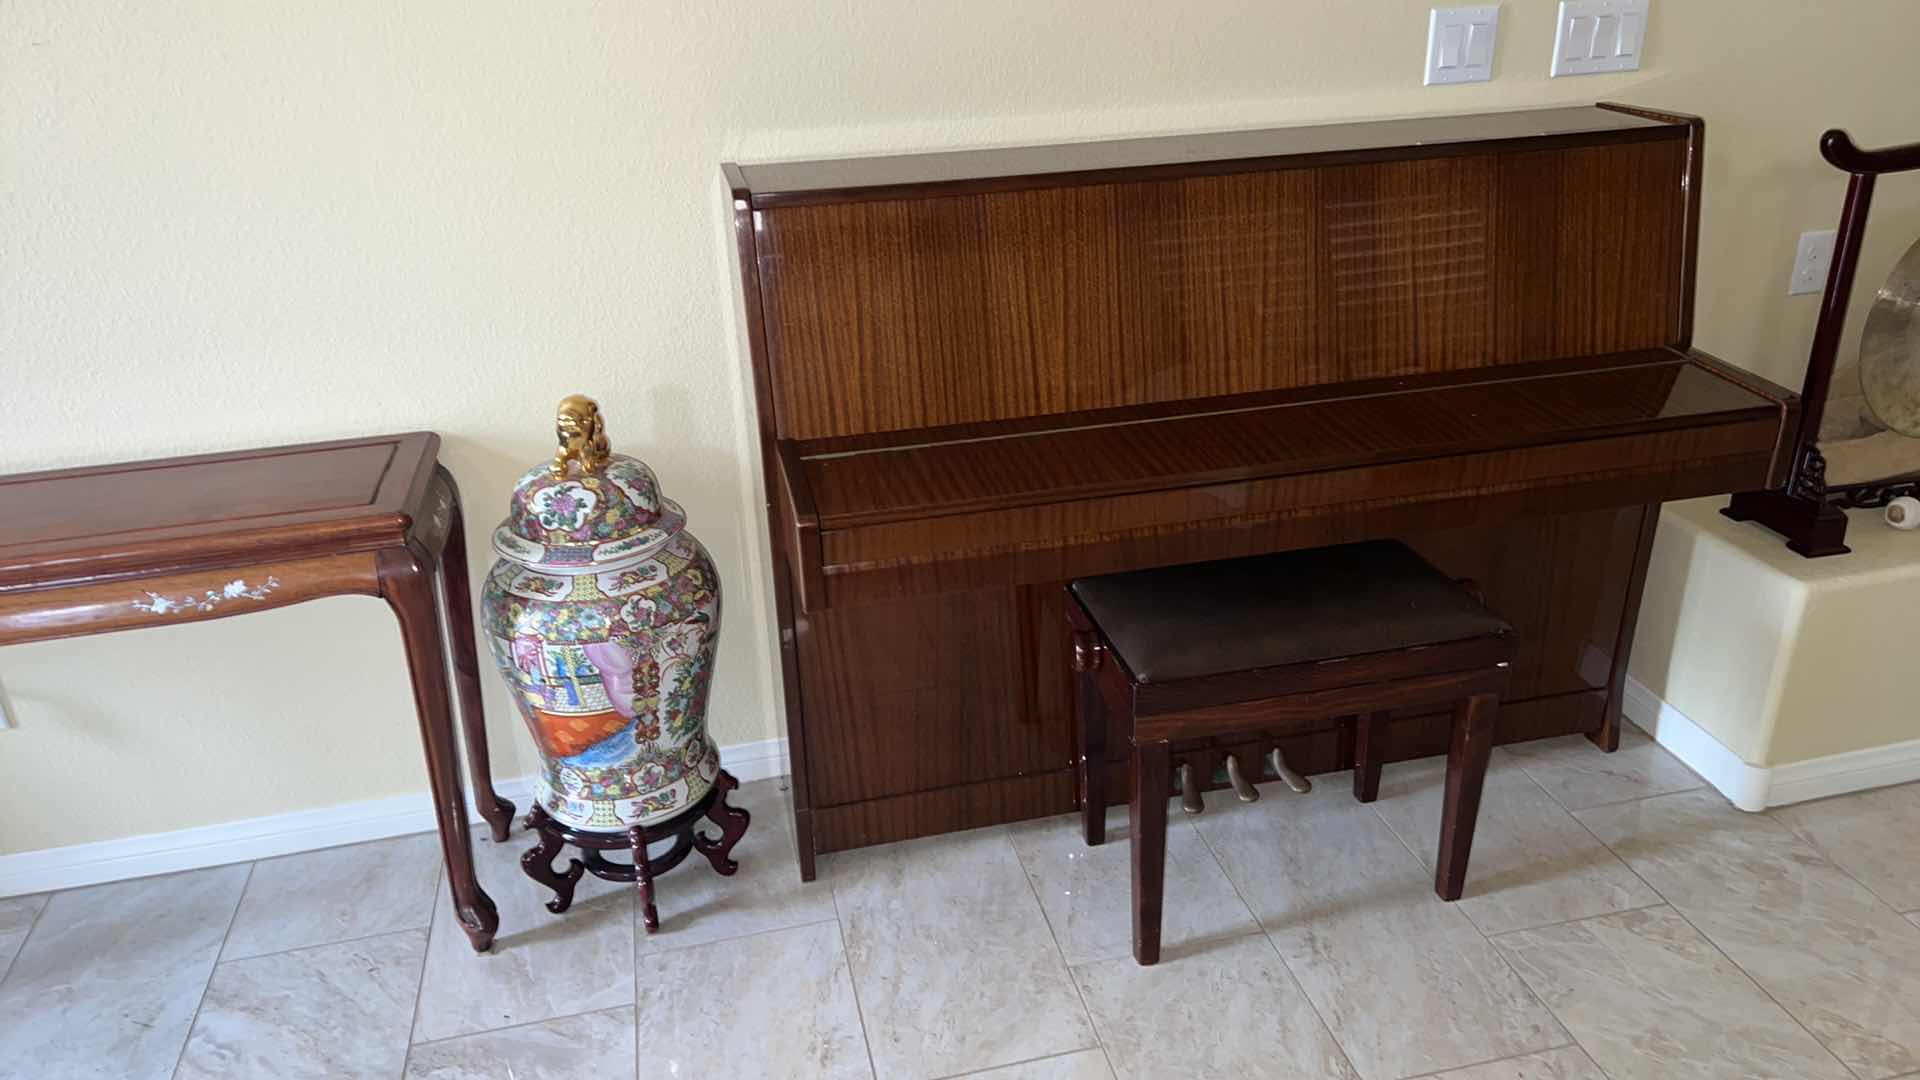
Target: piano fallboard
<point>926,511</point>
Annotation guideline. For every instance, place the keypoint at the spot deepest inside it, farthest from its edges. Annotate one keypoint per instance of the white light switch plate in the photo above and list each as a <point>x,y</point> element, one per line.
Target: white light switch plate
<point>1460,44</point>
<point>1598,36</point>
<point>1811,261</point>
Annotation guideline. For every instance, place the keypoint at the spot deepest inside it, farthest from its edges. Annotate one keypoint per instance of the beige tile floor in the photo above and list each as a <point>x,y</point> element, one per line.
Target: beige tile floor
<point>1621,921</point>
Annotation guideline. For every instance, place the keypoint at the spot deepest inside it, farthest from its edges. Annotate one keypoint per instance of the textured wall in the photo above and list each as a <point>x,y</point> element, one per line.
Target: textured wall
<point>228,224</point>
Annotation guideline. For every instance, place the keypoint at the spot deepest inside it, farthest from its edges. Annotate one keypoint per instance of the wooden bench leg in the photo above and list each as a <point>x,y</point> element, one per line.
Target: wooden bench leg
<point>1152,784</point>
<point>1093,761</point>
<point>1467,754</point>
<point>1369,752</point>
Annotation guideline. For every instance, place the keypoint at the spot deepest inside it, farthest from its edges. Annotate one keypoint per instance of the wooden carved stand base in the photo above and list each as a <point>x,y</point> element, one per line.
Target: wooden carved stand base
<point>538,861</point>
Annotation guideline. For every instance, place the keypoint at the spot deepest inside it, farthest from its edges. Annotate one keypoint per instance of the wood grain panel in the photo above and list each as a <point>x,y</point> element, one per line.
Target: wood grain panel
<point>921,694</point>
<point>926,813</point>
<point>1618,258</point>
<point>902,314</point>
<point>1526,247</point>
<point>1557,580</point>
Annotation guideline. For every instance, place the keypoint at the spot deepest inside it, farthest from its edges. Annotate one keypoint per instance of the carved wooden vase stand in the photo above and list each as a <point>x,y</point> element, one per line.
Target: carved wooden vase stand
<point>683,829</point>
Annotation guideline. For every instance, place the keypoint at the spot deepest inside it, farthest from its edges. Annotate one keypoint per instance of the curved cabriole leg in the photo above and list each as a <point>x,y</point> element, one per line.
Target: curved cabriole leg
<point>733,823</point>
<point>537,863</point>
<point>456,590</point>
<point>408,589</point>
<point>643,878</point>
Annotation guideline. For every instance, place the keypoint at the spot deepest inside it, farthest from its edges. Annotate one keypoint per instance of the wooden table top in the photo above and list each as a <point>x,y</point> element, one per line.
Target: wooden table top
<point>87,524</point>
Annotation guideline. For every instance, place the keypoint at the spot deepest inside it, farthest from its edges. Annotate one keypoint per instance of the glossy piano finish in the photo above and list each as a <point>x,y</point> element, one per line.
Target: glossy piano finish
<point>1006,305</point>
<point>980,374</point>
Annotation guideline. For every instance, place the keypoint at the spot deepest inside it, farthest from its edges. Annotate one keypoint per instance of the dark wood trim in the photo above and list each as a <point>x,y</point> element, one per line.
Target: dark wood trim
<point>1472,743</point>
<point>456,595</point>
<point>290,534</point>
<point>408,587</point>
<point>802,520</point>
<point>1317,705</point>
<point>1690,230</point>
<point>1607,737</point>
<point>1148,787</point>
<point>1841,152</point>
<point>763,396</point>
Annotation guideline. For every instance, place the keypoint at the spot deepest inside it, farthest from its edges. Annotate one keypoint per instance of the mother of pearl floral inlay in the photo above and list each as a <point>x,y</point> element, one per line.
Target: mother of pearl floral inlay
<point>236,589</point>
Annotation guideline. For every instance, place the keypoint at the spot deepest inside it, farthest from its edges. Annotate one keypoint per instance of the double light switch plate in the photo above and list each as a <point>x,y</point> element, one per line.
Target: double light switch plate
<point>1460,44</point>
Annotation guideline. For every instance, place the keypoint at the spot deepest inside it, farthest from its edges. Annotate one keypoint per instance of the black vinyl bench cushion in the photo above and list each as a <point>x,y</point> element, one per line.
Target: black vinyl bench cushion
<point>1296,607</point>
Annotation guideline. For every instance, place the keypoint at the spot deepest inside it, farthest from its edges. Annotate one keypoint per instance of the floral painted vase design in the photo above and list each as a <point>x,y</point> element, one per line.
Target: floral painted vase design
<point>603,613</point>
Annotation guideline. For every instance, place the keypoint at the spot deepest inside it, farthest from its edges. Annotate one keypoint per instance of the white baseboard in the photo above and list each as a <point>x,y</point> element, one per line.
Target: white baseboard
<point>1757,787</point>
<point>285,834</point>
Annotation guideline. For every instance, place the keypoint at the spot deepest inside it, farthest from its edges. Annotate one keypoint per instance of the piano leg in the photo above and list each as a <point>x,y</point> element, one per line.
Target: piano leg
<point>1607,736</point>
<point>1369,754</point>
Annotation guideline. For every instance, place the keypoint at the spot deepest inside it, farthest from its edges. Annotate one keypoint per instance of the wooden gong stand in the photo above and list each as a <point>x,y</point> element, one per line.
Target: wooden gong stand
<point>538,861</point>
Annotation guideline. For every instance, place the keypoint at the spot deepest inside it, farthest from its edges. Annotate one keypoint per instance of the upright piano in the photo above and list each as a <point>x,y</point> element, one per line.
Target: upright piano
<point>979,374</point>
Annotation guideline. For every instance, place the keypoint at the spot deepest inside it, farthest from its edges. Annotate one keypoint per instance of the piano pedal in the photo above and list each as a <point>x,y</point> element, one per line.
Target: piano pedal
<point>1190,800</point>
<point>1247,792</point>
<point>1281,769</point>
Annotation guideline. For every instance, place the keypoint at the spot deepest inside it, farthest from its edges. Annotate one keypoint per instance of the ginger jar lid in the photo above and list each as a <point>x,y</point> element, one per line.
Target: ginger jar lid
<point>589,509</point>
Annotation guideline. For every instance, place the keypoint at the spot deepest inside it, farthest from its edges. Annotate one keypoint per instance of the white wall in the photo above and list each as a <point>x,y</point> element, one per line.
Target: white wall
<point>233,224</point>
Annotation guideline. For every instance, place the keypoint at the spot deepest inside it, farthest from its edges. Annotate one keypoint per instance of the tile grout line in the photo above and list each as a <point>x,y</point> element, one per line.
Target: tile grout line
<point>1495,938</point>
<point>1768,994</point>
<point>324,944</point>
<point>1030,1061</point>
<point>1059,950</point>
<point>187,1039</point>
<point>31,927</point>
<point>1521,758</point>
<point>1267,935</point>
<point>1771,814</point>
<point>1575,1045</point>
<point>426,955</point>
<point>737,937</point>
<point>518,1026</point>
<point>853,984</point>
<point>1455,904</point>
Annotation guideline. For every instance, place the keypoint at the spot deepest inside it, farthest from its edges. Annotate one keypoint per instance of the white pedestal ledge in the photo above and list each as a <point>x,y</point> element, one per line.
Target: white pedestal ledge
<point>1779,679</point>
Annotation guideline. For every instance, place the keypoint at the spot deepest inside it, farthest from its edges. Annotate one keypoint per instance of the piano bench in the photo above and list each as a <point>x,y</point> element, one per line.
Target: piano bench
<point>1188,656</point>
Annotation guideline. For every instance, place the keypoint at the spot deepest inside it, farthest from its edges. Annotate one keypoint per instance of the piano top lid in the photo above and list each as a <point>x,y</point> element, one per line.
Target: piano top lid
<point>1012,168</point>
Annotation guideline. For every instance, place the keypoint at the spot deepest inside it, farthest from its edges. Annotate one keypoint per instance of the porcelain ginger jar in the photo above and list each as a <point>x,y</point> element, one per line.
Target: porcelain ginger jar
<point>603,613</point>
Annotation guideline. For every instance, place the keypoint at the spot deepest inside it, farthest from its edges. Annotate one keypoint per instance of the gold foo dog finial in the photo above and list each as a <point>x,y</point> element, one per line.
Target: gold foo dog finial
<point>582,434</point>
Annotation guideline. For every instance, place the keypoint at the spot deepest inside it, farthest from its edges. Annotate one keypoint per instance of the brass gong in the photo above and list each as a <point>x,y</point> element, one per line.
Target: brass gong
<point>1890,348</point>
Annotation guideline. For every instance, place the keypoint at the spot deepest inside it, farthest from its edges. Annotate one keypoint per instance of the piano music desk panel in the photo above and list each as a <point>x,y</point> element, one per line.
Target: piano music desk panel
<point>968,308</point>
<point>978,374</point>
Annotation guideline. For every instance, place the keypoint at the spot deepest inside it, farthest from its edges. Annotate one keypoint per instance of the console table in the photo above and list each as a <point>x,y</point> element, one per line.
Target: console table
<point>115,547</point>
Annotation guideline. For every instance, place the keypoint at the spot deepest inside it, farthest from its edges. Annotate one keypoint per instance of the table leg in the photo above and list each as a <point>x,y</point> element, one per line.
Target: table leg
<point>1093,761</point>
<point>456,590</point>
<point>408,588</point>
<point>1467,755</point>
<point>1152,779</point>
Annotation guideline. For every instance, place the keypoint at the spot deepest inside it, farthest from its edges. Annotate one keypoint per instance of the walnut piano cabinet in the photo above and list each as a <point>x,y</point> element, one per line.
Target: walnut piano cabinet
<point>978,374</point>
